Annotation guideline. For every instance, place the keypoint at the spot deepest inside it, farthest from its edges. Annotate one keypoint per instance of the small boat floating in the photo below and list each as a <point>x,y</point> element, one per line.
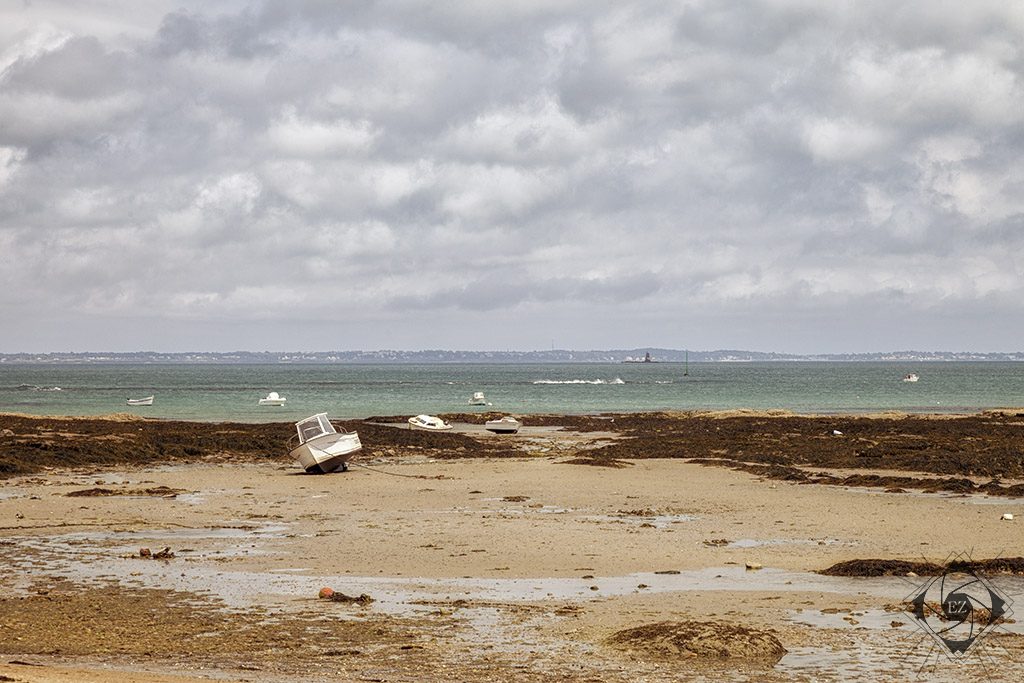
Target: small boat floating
<point>428,423</point>
<point>273,399</point>
<point>505,425</point>
<point>320,448</point>
<point>147,401</point>
<point>478,399</point>
<point>911,377</point>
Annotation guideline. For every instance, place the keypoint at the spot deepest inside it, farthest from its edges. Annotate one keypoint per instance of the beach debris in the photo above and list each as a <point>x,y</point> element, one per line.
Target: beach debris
<point>147,554</point>
<point>716,542</point>
<point>327,593</point>
<point>515,499</point>
<point>700,639</point>
<point>754,566</point>
<point>668,571</point>
<point>160,491</point>
<point>613,463</point>
<point>836,432</point>
<point>1007,517</point>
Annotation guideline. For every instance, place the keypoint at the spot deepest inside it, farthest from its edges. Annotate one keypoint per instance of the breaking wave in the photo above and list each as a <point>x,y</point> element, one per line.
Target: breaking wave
<point>33,387</point>
<point>617,380</point>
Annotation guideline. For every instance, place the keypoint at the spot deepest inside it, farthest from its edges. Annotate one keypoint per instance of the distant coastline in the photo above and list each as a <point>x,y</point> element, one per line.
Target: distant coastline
<point>657,355</point>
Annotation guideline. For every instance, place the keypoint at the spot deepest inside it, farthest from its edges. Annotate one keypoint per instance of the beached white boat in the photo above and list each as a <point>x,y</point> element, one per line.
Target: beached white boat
<point>505,425</point>
<point>148,401</point>
<point>911,377</point>
<point>428,423</point>
<point>320,448</point>
<point>478,399</point>
<point>273,399</point>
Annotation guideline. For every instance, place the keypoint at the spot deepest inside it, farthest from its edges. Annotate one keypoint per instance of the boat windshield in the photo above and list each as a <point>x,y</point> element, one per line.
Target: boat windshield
<point>315,426</point>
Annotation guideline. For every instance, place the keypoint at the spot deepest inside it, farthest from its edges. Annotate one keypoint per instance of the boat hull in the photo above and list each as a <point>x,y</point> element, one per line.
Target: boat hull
<point>428,423</point>
<point>327,453</point>
<point>272,401</point>
<point>503,426</point>
<point>148,401</point>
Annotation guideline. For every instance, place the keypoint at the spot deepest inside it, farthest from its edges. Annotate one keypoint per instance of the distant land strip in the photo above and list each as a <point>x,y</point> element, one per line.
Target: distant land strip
<point>446,356</point>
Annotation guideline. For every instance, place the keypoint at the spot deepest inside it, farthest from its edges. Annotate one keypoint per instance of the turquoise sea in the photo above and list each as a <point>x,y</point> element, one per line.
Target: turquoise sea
<point>231,392</point>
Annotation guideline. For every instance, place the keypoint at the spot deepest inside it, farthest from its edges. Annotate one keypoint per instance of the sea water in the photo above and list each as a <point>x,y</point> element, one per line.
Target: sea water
<point>226,392</point>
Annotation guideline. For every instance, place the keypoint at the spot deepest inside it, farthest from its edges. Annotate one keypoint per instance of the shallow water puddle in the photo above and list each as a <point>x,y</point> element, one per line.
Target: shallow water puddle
<point>97,545</point>
<point>656,521</point>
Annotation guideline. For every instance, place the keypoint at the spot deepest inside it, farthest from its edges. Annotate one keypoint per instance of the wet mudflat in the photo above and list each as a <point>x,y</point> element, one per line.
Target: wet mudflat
<point>509,565</point>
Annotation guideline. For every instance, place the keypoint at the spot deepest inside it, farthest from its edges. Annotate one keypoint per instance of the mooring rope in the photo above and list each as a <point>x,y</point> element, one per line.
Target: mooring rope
<point>398,474</point>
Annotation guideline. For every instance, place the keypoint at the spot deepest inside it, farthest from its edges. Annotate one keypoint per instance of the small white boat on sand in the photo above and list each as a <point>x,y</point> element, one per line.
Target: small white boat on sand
<point>273,399</point>
<point>478,399</point>
<point>911,377</point>
<point>148,401</point>
<point>320,448</point>
<point>505,425</point>
<point>428,423</point>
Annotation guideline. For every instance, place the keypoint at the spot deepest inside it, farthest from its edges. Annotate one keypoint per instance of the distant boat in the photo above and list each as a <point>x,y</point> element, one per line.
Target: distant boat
<point>911,377</point>
<point>320,448</point>
<point>148,401</point>
<point>505,425</point>
<point>478,399</point>
<point>273,399</point>
<point>646,359</point>
<point>428,423</point>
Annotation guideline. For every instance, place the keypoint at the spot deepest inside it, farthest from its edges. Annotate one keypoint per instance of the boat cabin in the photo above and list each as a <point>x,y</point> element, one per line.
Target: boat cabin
<point>313,427</point>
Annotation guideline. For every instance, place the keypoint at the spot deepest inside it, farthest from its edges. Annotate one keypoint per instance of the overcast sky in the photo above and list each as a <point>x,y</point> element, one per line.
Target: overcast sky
<point>787,175</point>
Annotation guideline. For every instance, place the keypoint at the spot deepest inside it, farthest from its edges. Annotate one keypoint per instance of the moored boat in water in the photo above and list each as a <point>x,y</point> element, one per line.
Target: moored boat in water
<point>478,399</point>
<point>147,401</point>
<point>273,399</point>
<point>320,448</point>
<point>910,377</point>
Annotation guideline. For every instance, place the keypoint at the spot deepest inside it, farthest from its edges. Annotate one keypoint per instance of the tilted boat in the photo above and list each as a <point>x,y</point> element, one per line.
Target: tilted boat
<point>273,399</point>
<point>148,401</point>
<point>428,423</point>
<point>478,399</point>
<point>505,425</point>
<point>320,447</point>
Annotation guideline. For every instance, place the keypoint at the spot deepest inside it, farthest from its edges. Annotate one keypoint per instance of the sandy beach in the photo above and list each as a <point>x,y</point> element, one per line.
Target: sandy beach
<point>522,561</point>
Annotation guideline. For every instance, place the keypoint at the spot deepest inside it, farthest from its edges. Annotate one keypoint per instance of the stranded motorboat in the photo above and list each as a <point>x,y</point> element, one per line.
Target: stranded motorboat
<point>428,423</point>
<point>505,425</point>
<point>911,377</point>
<point>320,447</point>
<point>273,399</point>
<point>478,399</point>
<point>148,401</point>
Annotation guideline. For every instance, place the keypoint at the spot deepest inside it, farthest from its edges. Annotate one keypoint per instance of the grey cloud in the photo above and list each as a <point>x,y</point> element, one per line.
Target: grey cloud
<point>503,293</point>
<point>396,164</point>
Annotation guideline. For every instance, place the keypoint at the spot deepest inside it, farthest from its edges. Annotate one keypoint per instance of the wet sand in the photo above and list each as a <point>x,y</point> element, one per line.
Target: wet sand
<point>509,564</point>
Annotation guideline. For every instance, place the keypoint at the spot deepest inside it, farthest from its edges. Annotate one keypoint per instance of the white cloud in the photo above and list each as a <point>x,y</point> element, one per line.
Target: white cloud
<point>10,159</point>
<point>295,136</point>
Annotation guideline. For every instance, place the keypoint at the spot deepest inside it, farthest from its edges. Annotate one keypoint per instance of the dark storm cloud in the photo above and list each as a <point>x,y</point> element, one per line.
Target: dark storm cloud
<point>756,165</point>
